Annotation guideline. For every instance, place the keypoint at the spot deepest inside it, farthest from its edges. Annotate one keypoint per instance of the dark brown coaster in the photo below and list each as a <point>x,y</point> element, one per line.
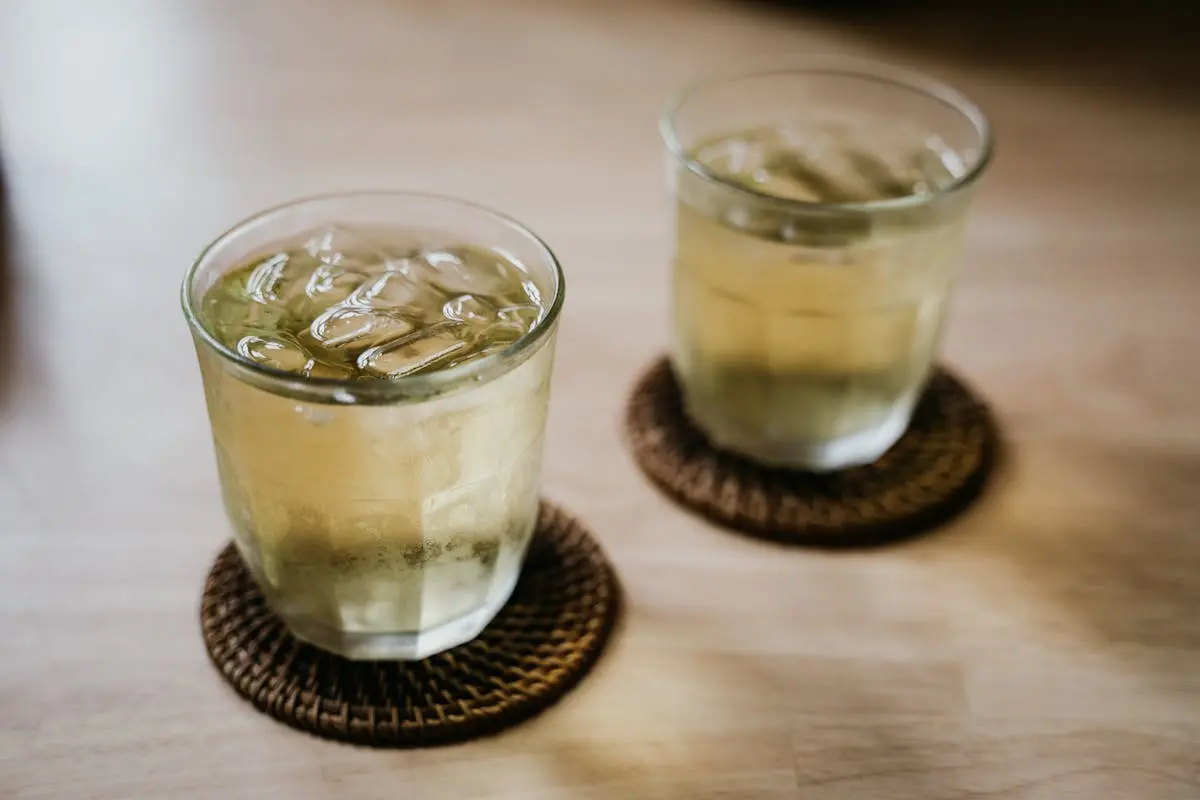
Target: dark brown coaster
<point>538,647</point>
<point>934,471</point>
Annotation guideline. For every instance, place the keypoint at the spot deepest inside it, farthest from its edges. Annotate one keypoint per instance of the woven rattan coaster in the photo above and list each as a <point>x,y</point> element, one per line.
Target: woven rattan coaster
<point>934,471</point>
<point>537,648</point>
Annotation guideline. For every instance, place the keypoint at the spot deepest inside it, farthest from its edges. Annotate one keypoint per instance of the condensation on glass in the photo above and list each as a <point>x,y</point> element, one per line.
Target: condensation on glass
<point>377,370</point>
<point>819,212</point>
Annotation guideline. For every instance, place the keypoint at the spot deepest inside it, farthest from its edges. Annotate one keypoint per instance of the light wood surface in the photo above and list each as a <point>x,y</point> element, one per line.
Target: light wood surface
<point>1046,645</point>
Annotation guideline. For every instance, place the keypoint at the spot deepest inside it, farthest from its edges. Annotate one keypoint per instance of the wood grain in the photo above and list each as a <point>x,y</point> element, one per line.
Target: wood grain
<point>1044,646</point>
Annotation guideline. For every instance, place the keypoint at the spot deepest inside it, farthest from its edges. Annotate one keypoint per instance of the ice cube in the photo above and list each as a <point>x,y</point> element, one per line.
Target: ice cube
<point>533,293</point>
<point>348,248</point>
<point>435,345</point>
<point>511,323</point>
<point>523,316</point>
<point>278,279</point>
<point>883,179</point>
<point>471,270</point>
<point>740,156</point>
<point>936,164</point>
<point>470,309</point>
<point>344,326</point>
<point>410,265</point>
<point>491,348</point>
<point>824,177</point>
<point>231,315</point>
<point>332,284</point>
<point>278,351</point>
<point>320,369</point>
<point>392,289</point>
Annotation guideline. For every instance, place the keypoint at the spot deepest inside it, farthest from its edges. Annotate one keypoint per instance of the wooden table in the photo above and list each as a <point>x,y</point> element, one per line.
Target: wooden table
<point>1046,645</point>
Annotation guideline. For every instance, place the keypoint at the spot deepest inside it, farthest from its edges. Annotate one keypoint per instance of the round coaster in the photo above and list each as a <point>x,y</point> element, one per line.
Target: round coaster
<point>933,472</point>
<point>537,648</point>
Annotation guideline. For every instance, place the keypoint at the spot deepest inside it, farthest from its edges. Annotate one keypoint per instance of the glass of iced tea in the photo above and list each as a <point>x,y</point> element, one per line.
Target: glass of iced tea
<point>377,371</point>
<point>819,214</point>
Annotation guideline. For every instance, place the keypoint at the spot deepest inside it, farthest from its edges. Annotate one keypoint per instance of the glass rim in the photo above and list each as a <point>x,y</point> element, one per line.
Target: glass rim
<point>861,69</point>
<point>352,390</point>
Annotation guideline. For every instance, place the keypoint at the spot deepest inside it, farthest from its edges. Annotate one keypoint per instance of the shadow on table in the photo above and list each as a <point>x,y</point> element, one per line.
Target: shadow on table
<point>1143,49</point>
<point>1102,541</point>
<point>1130,570</point>
<point>1107,552</point>
<point>712,722</point>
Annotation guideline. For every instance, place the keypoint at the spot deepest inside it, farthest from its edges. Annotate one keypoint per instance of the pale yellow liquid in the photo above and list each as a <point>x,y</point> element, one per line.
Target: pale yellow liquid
<point>804,340</point>
<point>389,530</point>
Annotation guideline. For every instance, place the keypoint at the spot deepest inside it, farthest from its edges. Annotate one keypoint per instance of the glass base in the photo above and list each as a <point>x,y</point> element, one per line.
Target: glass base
<point>830,455</point>
<point>400,645</point>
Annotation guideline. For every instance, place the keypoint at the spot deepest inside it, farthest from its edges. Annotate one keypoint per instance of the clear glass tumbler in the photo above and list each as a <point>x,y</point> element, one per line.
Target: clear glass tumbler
<point>384,518</point>
<point>819,212</point>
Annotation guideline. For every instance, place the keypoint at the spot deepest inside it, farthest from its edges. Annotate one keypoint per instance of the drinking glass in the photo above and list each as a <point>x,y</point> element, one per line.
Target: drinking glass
<point>818,216</point>
<point>385,518</point>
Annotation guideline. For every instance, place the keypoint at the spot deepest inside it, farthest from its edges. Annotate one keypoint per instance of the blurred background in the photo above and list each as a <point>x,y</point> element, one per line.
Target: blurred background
<point>1045,646</point>
<point>132,131</point>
